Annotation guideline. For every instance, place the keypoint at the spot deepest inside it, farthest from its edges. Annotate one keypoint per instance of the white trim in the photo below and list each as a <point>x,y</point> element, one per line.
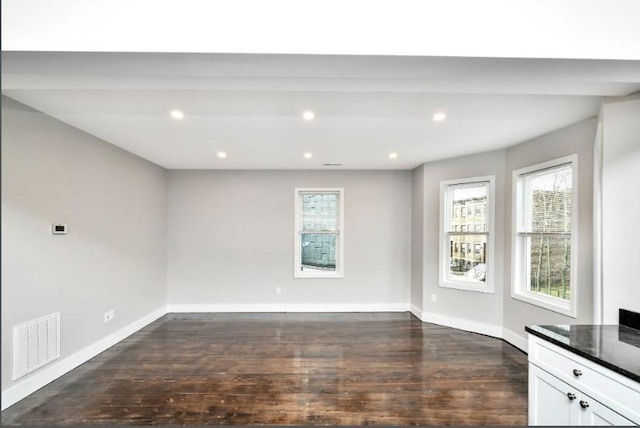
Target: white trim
<point>443,260</point>
<point>464,324</point>
<point>297,255</point>
<point>517,292</point>
<point>516,340</point>
<point>416,311</point>
<point>492,330</point>
<point>288,307</point>
<point>47,375</point>
<point>51,372</point>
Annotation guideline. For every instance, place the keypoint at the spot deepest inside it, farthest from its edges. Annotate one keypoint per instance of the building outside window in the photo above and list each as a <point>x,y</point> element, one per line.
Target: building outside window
<point>466,241</point>
<point>544,241</point>
<point>319,235</point>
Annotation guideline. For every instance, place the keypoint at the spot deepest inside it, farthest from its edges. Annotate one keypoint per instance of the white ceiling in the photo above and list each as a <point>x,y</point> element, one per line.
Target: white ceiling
<point>250,105</point>
<point>576,29</point>
<point>373,71</point>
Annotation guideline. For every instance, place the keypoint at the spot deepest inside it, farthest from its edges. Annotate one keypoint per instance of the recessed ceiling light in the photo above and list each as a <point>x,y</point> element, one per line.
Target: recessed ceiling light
<point>439,117</point>
<point>308,155</point>
<point>177,114</point>
<point>393,155</point>
<point>308,115</point>
<point>222,155</point>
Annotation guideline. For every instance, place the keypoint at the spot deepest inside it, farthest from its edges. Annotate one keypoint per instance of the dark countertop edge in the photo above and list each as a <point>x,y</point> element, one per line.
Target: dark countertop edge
<point>583,354</point>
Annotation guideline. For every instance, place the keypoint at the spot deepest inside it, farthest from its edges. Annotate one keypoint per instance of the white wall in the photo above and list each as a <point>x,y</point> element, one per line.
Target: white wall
<point>579,139</point>
<point>620,206</point>
<point>480,312</point>
<point>231,237</point>
<point>114,256</point>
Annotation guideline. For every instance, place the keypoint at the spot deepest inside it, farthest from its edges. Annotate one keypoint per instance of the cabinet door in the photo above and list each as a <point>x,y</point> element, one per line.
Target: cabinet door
<point>551,401</point>
<point>593,412</point>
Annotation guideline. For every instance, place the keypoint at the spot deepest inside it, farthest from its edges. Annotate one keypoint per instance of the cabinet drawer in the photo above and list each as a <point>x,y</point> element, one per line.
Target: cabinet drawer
<point>559,364</point>
<point>554,402</point>
<point>612,389</point>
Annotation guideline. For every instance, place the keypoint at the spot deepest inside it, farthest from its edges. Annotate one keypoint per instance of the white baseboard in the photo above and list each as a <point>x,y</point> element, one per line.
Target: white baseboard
<point>463,324</point>
<point>416,311</point>
<point>289,307</point>
<point>51,372</point>
<point>496,331</point>
<point>516,340</point>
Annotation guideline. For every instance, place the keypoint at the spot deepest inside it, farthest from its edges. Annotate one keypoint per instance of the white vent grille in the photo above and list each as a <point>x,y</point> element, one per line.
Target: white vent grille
<point>35,344</point>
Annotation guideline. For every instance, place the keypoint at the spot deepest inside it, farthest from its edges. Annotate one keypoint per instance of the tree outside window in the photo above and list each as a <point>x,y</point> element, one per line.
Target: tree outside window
<point>545,219</point>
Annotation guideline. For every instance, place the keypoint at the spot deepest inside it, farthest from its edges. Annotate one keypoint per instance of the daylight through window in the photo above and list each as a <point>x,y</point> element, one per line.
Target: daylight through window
<point>466,234</point>
<point>544,236</point>
<point>318,233</point>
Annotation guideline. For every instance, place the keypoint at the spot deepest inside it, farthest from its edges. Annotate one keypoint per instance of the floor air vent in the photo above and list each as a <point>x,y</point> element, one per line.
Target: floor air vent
<point>35,344</point>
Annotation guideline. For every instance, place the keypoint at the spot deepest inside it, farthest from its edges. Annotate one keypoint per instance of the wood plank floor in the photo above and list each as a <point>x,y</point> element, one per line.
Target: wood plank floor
<point>289,369</point>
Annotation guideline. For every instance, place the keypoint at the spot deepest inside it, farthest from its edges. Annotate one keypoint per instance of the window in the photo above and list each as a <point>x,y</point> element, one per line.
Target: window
<point>544,242</point>
<point>319,235</point>
<point>472,232</point>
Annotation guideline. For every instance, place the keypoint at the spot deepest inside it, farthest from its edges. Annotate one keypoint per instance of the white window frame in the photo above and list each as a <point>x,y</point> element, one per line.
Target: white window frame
<point>445,214</point>
<point>339,272</point>
<point>519,257</point>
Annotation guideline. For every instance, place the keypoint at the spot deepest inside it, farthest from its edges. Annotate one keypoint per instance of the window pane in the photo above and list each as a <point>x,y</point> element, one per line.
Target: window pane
<point>319,212</point>
<point>468,258</point>
<point>548,198</point>
<point>318,251</point>
<point>549,258</point>
<point>470,200</point>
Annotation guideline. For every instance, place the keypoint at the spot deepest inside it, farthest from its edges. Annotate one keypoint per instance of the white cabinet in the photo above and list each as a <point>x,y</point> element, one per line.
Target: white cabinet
<point>566,389</point>
<point>549,402</point>
<point>595,413</point>
<point>554,402</point>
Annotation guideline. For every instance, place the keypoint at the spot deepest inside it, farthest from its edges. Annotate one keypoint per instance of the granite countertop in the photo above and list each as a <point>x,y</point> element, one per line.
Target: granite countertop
<point>616,347</point>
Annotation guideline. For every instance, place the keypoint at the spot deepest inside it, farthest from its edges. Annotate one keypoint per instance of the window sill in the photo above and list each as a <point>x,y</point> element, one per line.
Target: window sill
<point>468,286</point>
<point>316,275</point>
<point>549,303</point>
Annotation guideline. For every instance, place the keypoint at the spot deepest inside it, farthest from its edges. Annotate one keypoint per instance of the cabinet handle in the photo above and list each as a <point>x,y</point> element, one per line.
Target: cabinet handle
<point>577,373</point>
<point>584,404</point>
<point>571,396</point>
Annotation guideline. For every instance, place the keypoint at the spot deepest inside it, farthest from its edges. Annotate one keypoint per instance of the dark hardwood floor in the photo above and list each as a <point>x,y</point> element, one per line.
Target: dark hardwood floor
<point>289,369</point>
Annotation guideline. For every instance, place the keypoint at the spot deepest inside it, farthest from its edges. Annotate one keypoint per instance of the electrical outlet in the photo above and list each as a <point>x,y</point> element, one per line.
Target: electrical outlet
<point>109,315</point>
<point>434,298</point>
<point>278,290</point>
